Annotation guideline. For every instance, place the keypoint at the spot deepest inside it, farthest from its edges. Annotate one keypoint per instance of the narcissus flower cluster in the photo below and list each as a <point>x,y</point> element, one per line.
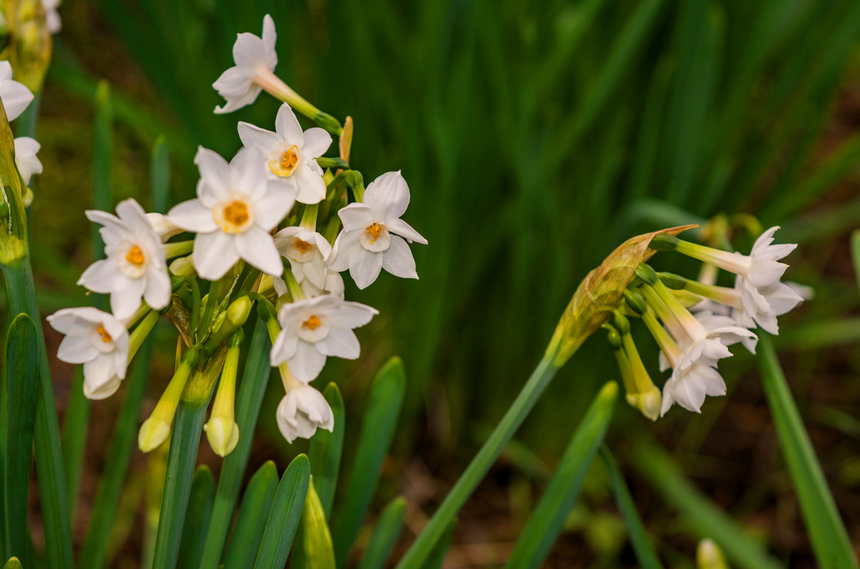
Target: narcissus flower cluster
<point>695,321</point>
<point>273,227</point>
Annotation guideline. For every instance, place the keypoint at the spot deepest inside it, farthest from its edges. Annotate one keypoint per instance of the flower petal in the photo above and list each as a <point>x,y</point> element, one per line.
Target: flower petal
<point>398,260</point>
<point>388,195</point>
<point>400,227</point>
<point>317,141</point>
<point>257,247</point>
<point>76,349</point>
<point>307,363</point>
<point>214,254</point>
<point>288,128</point>
<point>192,216</point>
<point>364,266</point>
<point>258,138</point>
<point>340,342</point>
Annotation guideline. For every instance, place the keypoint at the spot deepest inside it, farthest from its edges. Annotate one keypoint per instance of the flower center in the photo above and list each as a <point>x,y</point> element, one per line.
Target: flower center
<point>375,237</point>
<point>106,338</point>
<point>375,231</point>
<point>233,216</point>
<point>135,256</point>
<point>286,162</point>
<point>313,323</point>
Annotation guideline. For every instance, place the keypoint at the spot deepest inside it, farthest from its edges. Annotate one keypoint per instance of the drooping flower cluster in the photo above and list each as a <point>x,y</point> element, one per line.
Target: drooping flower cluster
<point>16,98</point>
<point>275,226</point>
<point>693,340</point>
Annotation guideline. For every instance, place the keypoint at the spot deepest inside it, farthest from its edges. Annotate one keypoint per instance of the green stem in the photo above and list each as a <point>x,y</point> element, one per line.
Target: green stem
<point>477,469</point>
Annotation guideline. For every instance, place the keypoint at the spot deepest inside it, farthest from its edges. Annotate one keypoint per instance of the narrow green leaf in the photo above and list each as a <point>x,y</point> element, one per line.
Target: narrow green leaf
<point>547,520</point>
<point>855,253</point>
<point>22,380</point>
<point>184,442</point>
<point>638,536</point>
<point>827,532</point>
<point>75,427</point>
<point>284,516</point>
<point>377,430</point>
<point>250,397</point>
<point>314,546</point>
<point>159,173</point>
<point>197,519</point>
<point>385,535</point>
<point>700,514</point>
<point>440,550</point>
<point>251,521</point>
<point>326,449</point>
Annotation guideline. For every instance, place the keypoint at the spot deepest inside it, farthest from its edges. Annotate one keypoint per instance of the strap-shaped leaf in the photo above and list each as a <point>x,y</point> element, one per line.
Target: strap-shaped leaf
<point>251,522</point>
<point>385,535</point>
<point>197,519</point>
<point>326,449</point>
<point>547,519</point>
<point>22,381</point>
<point>284,516</point>
<point>380,420</point>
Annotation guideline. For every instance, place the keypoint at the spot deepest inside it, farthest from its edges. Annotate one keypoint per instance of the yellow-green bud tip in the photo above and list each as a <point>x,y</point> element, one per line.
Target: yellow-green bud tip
<point>709,556</point>
<point>239,310</point>
<point>153,433</point>
<point>223,435</point>
<point>649,402</point>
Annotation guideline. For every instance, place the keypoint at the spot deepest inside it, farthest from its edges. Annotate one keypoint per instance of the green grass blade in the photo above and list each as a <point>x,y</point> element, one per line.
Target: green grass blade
<point>159,173</point>
<point>638,536</point>
<point>377,430</point>
<point>440,550</point>
<point>855,253</point>
<point>326,449</point>
<point>385,535</point>
<point>184,442</point>
<point>315,549</point>
<point>829,538</point>
<point>250,397</point>
<point>699,513</point>
<point>22,349</point>
<point>197,519</point>
<point>547,519</point>
<point>284,516</point>
<point>122,445</point>
<point>251,521</point>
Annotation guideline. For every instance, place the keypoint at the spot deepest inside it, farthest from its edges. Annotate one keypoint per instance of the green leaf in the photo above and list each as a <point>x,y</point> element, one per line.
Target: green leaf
<point>315,549</point>
<point>284,516</point>
<point>159,173</point>
<point>22,380</point>
<point>855,253</point>
<point>122,445</point>
<point>251,391</point>
<point>638,536</point>
<point>251,521</point>
<point>440,550</point>
<point>700,514</point>
<point>547,520</point>
<point>377,430</point>
<point>197,519</point>
<point>829,538</point>
<point>385,535</point>
<point>326,449</point>
<point>184,442</point>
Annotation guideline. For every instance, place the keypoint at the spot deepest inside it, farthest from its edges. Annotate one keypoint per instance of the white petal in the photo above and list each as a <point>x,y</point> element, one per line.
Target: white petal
<point>269,35</point>
<point>353,314</point>
<point>99,370</point>
<point>364,266</point>
<point>76,349</point>
<point>101,276</point>
<point>215,173</point>
<point>388,195</point>
<point>344,247</point>
<point>284,348</point>
<point>356,216</point>
<point>103,391</point>
<point>158,289</point>
<point>16,97</point>
<point>271,208</point>
<point>257,138</point>
<point>258,248</point>
<point>310,184</point>
<point>400,227</point>
<point>26,160</point>
<point>287,126</point>
<point>307,363</point>
<point>317,141</point>
<point>125,299</point>
<point>214,254</point>
<point>340,342</point>
<point>398,260</point>
<point>192,216</point>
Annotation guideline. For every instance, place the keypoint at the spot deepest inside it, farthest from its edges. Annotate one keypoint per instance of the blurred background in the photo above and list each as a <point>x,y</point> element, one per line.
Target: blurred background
<point>535,137</point>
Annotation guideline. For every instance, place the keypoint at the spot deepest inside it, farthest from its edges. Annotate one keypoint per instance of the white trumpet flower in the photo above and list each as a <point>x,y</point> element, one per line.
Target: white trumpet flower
<point>374,237</point>
<point>26,160</point>
<point>307,252</point>
<point>236,208</point>
<point>316,328</point>
<point>98,340</point>
<point>689,384</point>
<point>302,411</point>
<point>135,266</point>
<point>291,153</point>
<point>252,55</point>
<point>15,96</point>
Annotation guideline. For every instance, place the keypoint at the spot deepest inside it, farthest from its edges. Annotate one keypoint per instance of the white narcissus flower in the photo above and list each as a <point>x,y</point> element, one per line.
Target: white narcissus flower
<point>333,285</point>
<point>26,160</point>
<point>705,337</point>
<point>135,267</point>
<point>236,208</point>
<point>689,384</point>
<point>316,328</point>
<point>14,95</point>
<point>291,153</point>
<point>251,55</point>
<point>762,305</point>
<point>374,237</point>
<point>307,252</point>
<point>302,411</point>
<point>52,17</point>
<point>99,341</point>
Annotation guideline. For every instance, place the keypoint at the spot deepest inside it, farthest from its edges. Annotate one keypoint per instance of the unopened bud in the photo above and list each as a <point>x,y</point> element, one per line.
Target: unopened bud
<point>223,435</point>
<point>621,323</point>
<point>674,282</point>
<point>239,310</point>
<point>153,433</point>
<point>183,267</point>
<point>710,556</point>
<point>635,301</point>
<point>664,242</point>
<point>612,337</point>
<point>647,274</point>
<point>328,122</point>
